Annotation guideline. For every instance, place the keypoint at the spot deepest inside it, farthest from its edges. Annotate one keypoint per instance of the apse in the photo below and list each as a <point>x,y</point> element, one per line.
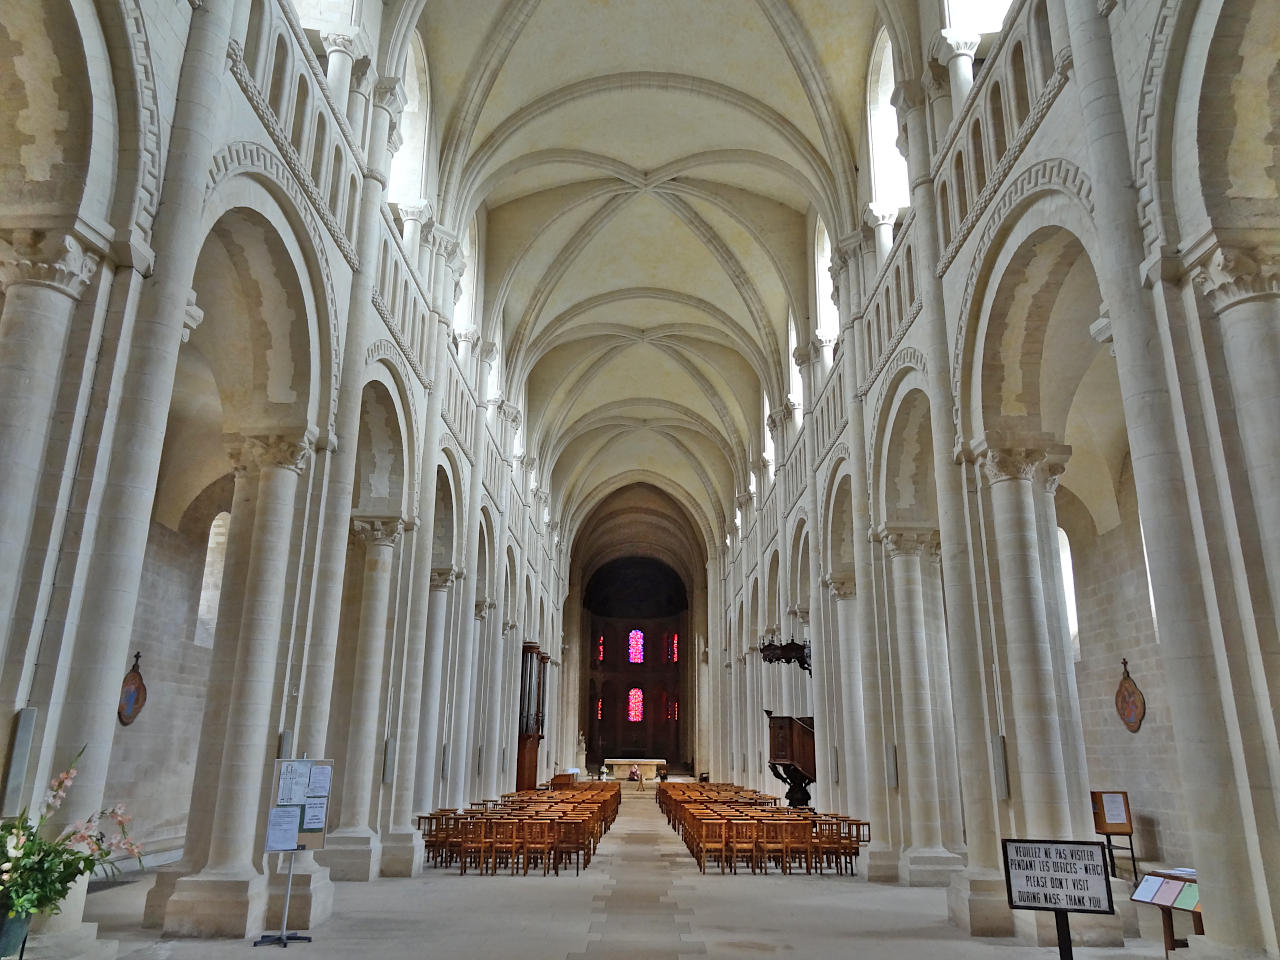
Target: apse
<point>638,611</point>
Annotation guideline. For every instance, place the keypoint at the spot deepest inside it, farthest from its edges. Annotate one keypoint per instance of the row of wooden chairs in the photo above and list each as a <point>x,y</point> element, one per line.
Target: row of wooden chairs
<point>729,825</point>
<point>536,828</point>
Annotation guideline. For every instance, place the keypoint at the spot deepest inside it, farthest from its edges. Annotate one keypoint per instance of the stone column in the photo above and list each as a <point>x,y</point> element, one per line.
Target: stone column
<point>853,716</point>
<point>354,849</point>
<point>1041,790</point>
<point>949,797</point>
<point>1214,783</point>
<point>339,48</point>
<point>429,725</point>
<point>925,862</point>
<point>42,276</point>
<point>1048,475</point>
<point>228,897</point>
<point>195,846</point>
<point>977,901</point>
<point>954,50</point>
<point>493,715</point>
<point>881,217</point>
<point>1243,287</point>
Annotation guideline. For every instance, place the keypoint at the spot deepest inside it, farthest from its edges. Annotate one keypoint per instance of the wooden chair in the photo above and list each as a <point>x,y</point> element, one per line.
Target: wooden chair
<point>826,835</point>
<point>473,838</point>
<point>435,836</point>
<point>770,844</point>
<point>710,840</point>
<point>538,843</point>
<point>850,843</point>
<point>571,843</point>
<point>797,841</point>
<point>503,845</point>
<point>740,843</point>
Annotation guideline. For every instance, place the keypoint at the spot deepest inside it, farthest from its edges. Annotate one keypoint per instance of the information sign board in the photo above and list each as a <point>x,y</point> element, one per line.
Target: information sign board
<point>299,805</point>
<point>1111,812</point>
<point>1063,875</point>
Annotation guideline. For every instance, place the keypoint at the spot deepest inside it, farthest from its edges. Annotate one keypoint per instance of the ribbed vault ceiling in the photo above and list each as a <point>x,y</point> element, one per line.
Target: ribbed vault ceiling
<point>648,172</point>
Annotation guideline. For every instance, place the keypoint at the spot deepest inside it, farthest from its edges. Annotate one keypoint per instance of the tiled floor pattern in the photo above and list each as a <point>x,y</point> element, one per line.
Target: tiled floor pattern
<point>642,899</point>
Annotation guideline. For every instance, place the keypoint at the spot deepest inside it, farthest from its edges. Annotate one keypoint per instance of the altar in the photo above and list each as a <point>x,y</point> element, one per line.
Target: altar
<point>619,768</point>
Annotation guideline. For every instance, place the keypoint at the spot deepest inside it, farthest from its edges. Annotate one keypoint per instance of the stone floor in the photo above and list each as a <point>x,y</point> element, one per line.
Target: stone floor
<point>642,899</point>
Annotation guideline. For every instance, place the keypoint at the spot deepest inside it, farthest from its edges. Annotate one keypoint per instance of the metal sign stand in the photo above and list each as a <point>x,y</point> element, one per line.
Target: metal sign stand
<point>284,937</point>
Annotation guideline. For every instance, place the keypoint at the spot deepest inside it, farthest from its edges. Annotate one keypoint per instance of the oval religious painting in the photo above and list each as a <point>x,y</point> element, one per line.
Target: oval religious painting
<point>1130,703</point>
<point>133,694</point>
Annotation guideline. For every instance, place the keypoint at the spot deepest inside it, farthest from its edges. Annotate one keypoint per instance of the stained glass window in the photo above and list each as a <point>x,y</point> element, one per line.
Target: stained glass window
<point>675,647</point>
<point>675,709</point>
<point>635,704</point>
<point>635,646</point>
<point>600,650</point>
<point>599,708</point>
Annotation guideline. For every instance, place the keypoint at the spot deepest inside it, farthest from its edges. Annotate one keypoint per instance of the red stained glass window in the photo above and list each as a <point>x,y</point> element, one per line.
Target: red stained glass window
<point>635,646</point>
<point>599,708</point>
<point>675,709</point>
<point>600,650</point>
<point>635,705</point>
<point>675,647</point>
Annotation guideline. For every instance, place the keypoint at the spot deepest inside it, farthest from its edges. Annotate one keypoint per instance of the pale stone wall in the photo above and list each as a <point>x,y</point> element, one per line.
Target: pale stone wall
<point>1114,608</point>
<point>153,759</point>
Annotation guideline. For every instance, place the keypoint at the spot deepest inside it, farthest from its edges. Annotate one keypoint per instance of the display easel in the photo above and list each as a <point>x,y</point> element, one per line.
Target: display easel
<point>1172,890</point>
<point>1111,818</point>
<point>296,821</point>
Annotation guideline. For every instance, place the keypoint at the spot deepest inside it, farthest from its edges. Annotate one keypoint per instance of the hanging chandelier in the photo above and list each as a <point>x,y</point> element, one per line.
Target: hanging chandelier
<point>771,651</point>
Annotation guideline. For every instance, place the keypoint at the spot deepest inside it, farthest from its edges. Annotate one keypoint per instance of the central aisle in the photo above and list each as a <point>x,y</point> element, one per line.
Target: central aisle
<point>643,898</point>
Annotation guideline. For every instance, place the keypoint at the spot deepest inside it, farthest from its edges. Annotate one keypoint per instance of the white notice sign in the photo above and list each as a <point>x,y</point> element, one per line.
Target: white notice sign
<point>1113,808</point>
<point>294,775</point>
<point>321,779</point>
<point>282,829</point>
<point>1057,875</point>
<point>313,813</point>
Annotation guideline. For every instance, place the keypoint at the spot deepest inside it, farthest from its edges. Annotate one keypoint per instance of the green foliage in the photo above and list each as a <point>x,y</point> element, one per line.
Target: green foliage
<point>38,869</point>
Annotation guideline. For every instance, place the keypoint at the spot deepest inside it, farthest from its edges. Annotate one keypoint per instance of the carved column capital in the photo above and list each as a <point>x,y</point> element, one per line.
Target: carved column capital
<point>951,43</point>
<point>1049,475</point>
<point>1234,275</point>
<point>192,318</point>
<point>744,500</point>
<point>389,95</point>
<point>842,587</point>
<point>778,417</point>
<point>287,452</point>
<point>906,542</point>
<point>378,531</point>
<point>907,96</point>
<point>442,578</point>
<point>45,259</point>
<point>878,214</point>
<point>339,43</point>
<point>1010,463</point>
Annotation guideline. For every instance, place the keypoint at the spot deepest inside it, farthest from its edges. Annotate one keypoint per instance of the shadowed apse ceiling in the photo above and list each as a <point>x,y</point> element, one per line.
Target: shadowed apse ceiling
<point>647,173</point>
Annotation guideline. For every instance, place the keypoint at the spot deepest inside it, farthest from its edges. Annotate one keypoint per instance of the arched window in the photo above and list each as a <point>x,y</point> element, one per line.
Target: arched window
<point>977,16</point>
<point>211,583</point>
<point>888,167</point>
<point>635,647</point>
<point>635,705</point>
<point>464,308</point>
<point>408,166</point>
<point>1069,591</point>
<point>828,317</point>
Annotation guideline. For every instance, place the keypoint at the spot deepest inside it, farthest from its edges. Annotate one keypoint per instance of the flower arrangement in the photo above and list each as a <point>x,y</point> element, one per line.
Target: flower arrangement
<point>38,870</point>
